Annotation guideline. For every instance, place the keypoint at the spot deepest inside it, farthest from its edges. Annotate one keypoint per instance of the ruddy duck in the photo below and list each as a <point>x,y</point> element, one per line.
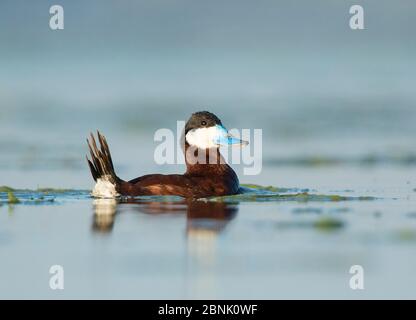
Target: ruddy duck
<point>203,136</point>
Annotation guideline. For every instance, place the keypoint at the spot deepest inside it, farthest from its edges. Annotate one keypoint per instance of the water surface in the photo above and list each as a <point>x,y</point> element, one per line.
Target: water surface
<point>166,247</point>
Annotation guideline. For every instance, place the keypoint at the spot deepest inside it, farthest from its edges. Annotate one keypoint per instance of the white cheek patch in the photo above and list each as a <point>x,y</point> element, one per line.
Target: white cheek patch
<point>202,138</point>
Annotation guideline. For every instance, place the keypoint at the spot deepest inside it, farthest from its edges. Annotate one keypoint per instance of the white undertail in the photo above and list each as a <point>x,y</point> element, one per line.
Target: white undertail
<point>104,188</point>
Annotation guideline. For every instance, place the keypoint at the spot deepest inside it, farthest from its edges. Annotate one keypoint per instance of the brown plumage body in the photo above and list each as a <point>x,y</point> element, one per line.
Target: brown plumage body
<point>200,179</point>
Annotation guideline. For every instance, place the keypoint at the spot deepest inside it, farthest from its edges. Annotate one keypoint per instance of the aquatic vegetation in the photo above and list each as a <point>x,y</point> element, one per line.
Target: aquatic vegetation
<point>12,198</point>
<point>300,197</point>
<point>340,210</point>
<point>315,210</point>
<point>41,200</point>
<point>6,189</point>
<point>322,224</point>
<point>42,190</point>
<point>249,193</point>
<point>307,210</point>
<point>39,196</point>
<point>328,224</point>
<point>406,234</point>
<point>256,187</point>
<point>27,198</point>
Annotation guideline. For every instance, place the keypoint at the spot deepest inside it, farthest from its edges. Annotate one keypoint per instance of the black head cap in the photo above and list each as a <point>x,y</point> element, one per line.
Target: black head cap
<point>202,119</point>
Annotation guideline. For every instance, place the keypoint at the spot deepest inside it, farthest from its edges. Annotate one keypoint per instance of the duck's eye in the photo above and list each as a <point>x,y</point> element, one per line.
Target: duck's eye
<point>204,123</point>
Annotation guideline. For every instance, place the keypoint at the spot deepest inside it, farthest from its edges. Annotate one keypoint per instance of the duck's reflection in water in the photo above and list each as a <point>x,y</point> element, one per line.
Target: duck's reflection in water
<point>104,214</point>
<point>205,220</point>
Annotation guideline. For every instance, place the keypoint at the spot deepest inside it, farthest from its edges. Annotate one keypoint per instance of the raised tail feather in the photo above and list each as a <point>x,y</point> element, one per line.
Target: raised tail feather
<point>101,164</point>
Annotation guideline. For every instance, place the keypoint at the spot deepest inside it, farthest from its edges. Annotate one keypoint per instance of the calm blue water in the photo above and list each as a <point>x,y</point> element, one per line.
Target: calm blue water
<point>337,110</point>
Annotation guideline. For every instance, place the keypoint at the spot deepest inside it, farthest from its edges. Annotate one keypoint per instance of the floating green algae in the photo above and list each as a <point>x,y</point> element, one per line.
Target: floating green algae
<point>39,196</point>
<point>406,234</point>
<point>27,199</point>
<point>307,210</point>
<point>248,193</point>
<point>299,197</point>
<point>256,187</point>
<point>322,224</point>
<point>328,224</point>
<point>12,199</point>
<point>340,210</point>
<point>316,210</point>
<point>41,199</point>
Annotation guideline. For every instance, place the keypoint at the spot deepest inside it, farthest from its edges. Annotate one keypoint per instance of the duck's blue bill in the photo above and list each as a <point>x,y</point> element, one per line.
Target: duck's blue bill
<point>223,138</point>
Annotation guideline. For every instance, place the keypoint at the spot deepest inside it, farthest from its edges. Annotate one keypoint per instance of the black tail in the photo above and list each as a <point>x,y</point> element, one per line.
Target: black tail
<point>101,163</point>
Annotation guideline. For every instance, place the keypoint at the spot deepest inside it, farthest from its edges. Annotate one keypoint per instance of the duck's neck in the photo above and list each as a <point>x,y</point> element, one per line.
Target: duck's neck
<point>205,161</point>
